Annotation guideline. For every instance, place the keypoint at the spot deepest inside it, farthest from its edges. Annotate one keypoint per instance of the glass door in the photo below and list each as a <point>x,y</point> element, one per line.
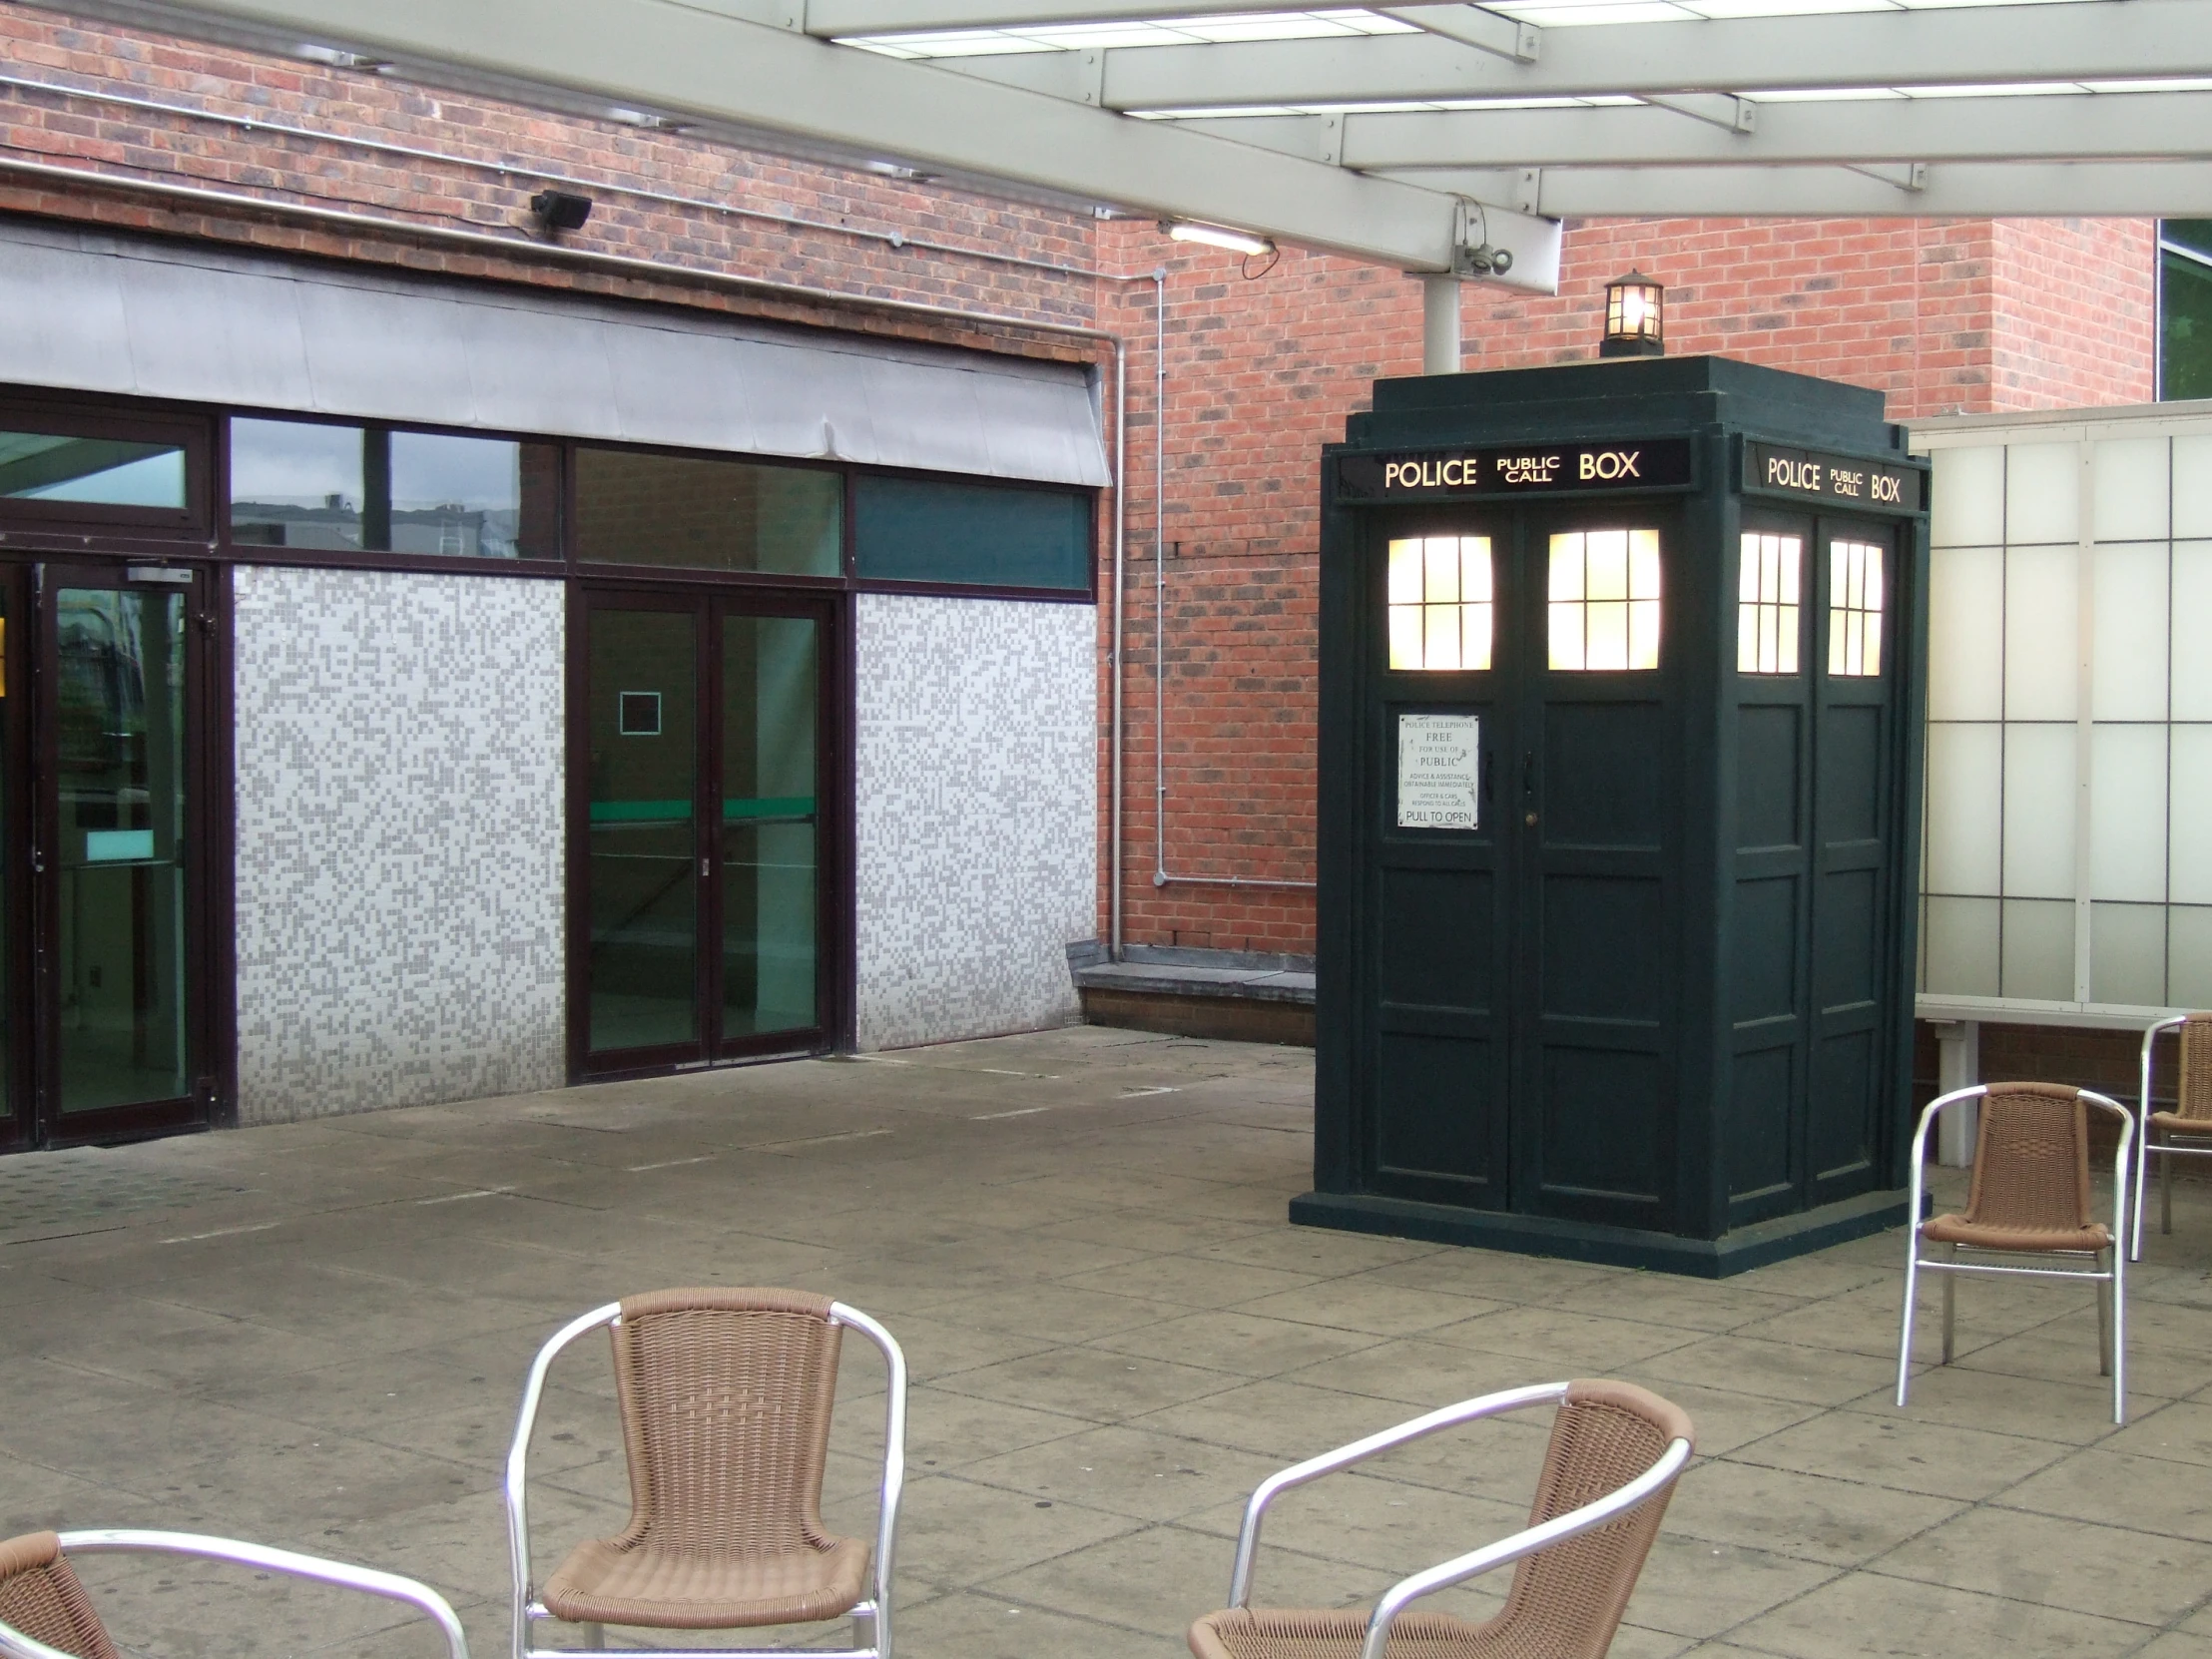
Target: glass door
<point>117,854</point>
<point>697,911</point>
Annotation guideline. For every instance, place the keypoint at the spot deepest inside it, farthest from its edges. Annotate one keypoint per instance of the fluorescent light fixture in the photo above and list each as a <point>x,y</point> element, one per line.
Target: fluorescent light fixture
<point>1216,236</point>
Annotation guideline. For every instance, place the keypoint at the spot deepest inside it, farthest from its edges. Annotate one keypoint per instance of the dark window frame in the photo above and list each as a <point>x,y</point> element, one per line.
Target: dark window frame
<point>128,423</point>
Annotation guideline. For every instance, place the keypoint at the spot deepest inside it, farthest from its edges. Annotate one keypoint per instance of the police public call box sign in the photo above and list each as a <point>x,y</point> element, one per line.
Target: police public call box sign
<point>1836,480</point>
<point>1559,468</point>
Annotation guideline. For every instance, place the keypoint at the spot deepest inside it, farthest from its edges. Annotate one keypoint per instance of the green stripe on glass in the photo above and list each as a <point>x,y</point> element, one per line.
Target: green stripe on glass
<point>662,811</point>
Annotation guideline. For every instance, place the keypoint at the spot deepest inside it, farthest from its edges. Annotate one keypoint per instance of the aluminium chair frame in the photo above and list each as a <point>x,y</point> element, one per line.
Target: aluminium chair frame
<point>1475,1562</point>
<point>871,1620</point>
<point>115,1540</point>
<point>2112,1279</point>
<point>2165,1151</point>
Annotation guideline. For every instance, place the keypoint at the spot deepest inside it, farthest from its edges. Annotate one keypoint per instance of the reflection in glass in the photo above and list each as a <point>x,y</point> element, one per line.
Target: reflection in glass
<point>119,724</point>
<point>1604,600</point>
<point>297,483</point>
<point>769,672</point>
<point>107,472</point>
<point>633,508</point>
<point>643,881</point>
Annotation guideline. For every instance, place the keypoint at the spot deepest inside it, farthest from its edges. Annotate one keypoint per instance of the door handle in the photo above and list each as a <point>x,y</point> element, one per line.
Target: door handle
<point>706,868</point>
<point>1528,788</point>
<point>38,861</point>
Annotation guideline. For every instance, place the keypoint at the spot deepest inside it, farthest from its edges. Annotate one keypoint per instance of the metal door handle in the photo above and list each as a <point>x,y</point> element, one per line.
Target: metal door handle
<point>1530,821</point>
<point>706,868</point>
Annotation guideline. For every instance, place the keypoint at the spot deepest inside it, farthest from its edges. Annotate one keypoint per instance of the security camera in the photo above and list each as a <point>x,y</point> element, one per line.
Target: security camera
<point>1484,261</point>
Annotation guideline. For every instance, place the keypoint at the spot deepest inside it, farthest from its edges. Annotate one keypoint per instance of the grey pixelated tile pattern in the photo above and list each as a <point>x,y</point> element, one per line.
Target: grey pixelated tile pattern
<point>400,840</point>
<point>977,806</point>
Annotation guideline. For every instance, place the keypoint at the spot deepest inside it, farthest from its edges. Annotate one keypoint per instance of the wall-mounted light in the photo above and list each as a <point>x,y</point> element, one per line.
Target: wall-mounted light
<point>559,210</point>
<point>646,120</point>
<point>331,57</point>
<point>899,171</point>
<point>1635,318</point>
<point>1216,235</point>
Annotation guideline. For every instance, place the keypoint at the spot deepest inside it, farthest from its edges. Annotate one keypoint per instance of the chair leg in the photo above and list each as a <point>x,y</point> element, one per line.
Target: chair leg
<point>2119,1338</point>
<point>2104,1315</point>
<point>2165,1187</point>
<point>595,1637</point>
<point>1911,1288</point>
<point>1950,1307</point>
<point>863,1627</point>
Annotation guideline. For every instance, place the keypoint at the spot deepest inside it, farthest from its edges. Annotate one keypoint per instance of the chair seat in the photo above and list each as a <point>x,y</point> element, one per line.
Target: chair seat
<point>2173,1123</point>
<point>1337,1633</point>
<point>1983,1235</point>
<point>669,1589</point>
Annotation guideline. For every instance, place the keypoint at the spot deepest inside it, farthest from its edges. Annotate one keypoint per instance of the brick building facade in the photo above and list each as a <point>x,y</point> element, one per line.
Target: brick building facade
<point>133,130</point>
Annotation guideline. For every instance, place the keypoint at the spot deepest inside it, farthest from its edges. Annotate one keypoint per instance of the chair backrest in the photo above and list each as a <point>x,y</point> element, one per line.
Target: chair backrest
<point>2031,1159</point>
<point>725,1401</point>
<point>2193,1091</point>
<point>41,1597</point>
<point>1566,1601</point>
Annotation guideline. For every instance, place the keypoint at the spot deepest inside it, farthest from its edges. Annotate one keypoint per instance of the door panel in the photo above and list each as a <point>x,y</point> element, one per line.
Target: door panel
<point>769,854</point>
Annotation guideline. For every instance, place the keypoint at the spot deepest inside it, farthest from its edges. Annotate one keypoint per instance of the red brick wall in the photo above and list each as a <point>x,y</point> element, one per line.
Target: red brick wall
<point>2074,312</point>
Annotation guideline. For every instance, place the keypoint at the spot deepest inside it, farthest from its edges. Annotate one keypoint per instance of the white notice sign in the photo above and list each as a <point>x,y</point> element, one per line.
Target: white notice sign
<point>1440,759</point>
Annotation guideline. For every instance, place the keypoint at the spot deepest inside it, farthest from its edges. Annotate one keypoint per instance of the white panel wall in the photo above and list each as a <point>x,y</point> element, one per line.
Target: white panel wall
<point>977,814</point>
<point>2068,847</point>
<point>400,742</point>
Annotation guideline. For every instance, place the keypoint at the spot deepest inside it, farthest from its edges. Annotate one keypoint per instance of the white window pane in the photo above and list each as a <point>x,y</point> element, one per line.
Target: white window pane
<point>1789,631</point>
<point>2038,951</point>
<point>1607,623</point>
<point>1643,633</point>
<point>2189,856</point>
<point>2192,663</point>
<point>1441,586</point>
<point>1747,637</point>
<point>2127,813</point>
<point>1871,663</point>
<point>1566,566</point>
<point>1965,645</point>
<point>2131,489</point>
<point>1474,568</point>
<point>1405,637</point>
<point>2188,957</point>
<point>1405,572</point>
<point>2128,665</point>
<point>1475,648</point>
<point>2192,464</point>
<point>1750,573</point>
<point>1768,653</point>
<point>2041,608</point>
<point>1961,946</point>
<point>1968,497</point>
<point>1608,563</point>
<point>2042,494</point>
<point>1793,560</point>
<point>1874,577</point>
<point>1567,634</point>
<point>1643,564</point>
<point>1440,642</point>
<point>2038,811</point>
<point>2127,954</point>
<point>1965,772</point>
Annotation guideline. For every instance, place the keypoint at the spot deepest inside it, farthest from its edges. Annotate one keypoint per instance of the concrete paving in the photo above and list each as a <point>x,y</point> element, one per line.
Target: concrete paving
<point>314,1335</point>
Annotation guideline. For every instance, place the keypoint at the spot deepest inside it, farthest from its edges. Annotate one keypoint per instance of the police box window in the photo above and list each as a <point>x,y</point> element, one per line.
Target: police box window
<point>928,530</point>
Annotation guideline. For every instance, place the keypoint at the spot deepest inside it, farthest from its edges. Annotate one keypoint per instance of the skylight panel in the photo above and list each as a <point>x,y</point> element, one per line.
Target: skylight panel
<point>2019,89</point>
<point>1569,14</point>
<point>1821,95</point>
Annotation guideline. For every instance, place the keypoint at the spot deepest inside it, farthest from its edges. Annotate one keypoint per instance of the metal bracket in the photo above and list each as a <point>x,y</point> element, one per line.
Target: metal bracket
<point>1717,108</point>
<point>1472,253</point>
<point>1910,176</point>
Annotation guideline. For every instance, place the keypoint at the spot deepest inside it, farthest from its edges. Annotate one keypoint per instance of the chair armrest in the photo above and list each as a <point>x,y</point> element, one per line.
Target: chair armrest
<point>1359,1451</point>
<point>1557,1531</point>
<point>894,1461</point>
<point>516,1492</point>
<point>345,1575</point>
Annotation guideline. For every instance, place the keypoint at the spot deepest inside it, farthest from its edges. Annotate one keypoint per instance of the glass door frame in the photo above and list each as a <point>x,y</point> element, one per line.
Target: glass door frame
<point>710,603</point>
<point>39,864</point>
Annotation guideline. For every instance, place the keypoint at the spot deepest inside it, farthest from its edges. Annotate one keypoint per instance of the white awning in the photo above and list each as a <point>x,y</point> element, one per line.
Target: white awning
<point>151,319</point>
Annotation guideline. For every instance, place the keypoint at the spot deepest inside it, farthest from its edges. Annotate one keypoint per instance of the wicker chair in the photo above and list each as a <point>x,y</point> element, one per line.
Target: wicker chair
<point>46,1614</point>
<point>725,1399</point>
<point>1614,1456</point>
<point>2029,1195</point>
<point>2186,1131</point>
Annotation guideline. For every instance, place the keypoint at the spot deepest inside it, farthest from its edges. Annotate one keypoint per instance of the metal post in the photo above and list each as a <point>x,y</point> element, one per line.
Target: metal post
<point>1957,1067</point>
<point>1439,324</point>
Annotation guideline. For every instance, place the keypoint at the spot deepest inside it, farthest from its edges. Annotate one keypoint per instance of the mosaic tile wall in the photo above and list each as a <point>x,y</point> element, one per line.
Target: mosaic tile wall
<point>399,834</point>
<point>977,814</point>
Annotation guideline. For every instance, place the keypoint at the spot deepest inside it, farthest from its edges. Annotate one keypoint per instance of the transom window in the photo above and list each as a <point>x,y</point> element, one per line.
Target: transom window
<point>1767,603</point>
<point>1854,609</point>
<point>1440,604</point>
<point>1605,600</point>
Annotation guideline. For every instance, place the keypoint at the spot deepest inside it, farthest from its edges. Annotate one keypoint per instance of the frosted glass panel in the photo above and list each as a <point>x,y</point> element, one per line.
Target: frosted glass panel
<point>1961,946</point>
<point>2042,494</point>
<point>2188,957</point>
<point>2131,489</point>
<point>2128,665</point>
<point>2038,951</point>
<point>2192,663</point>
<point>2040,607</point>
<point>2190,853</point>
<point>1965,647</point>
<point>2038,811</point>
<point>1968,498</point>
<point>1964,795</point>
<point>2192,486</point>
<point>2127,814</point>
<point>2127,954</point>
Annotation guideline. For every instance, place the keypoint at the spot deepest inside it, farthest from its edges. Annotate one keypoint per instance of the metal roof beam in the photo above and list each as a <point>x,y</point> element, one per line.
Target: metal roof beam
<point>1961,190</point>
<point>2151,125</point>
<point>2084,40</point>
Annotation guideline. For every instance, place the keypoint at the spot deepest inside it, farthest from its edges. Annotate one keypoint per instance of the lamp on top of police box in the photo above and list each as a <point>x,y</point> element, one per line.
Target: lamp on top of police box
<point>1635,318</point>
